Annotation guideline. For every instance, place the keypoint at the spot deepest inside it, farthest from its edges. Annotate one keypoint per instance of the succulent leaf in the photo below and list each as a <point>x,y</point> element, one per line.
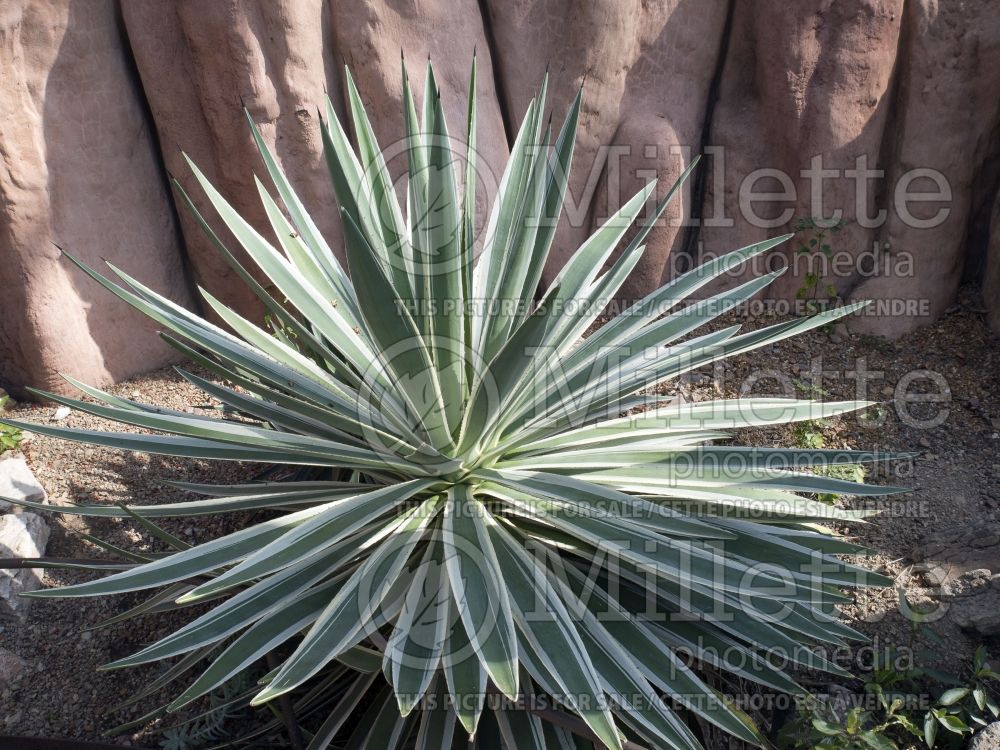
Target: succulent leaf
<point>479,505</point>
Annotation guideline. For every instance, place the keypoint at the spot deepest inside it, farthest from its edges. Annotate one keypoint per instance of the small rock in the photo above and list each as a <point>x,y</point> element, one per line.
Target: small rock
<point>982,621</point>
<point>21,535</point>
<point>839,334</point>
<point>967,584</point>
<point>987,539</point>
<point>924,442</point>
<point>11,667</point>
<point>61,413</point>
<point>987,738</point>
<point>19,483</point>
<point>962,548</point>
<point>975,606</point>
<point>888,390</point>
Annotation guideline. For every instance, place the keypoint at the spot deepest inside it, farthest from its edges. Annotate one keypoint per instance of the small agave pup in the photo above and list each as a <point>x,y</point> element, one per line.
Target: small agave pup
<point>484,545</point>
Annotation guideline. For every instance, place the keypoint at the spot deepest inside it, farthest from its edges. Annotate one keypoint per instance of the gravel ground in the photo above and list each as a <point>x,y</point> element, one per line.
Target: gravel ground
<point>956,478</point>
<point>61,694</point>
<point>954,481</point>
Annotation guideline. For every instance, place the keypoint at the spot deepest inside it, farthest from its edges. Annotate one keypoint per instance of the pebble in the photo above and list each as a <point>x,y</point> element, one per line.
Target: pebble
<point>61,413</point>
<point>21,535</point>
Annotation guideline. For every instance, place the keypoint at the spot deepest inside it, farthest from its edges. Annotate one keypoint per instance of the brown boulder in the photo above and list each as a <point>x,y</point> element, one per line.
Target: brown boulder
<point>861,85</point>
<point>198,61</point>
<point>906,90</point>
<point>79,168</point>
<point>371,38</point>
<point>647,71</point>
<point>946,123</point>
<point>799,92</point>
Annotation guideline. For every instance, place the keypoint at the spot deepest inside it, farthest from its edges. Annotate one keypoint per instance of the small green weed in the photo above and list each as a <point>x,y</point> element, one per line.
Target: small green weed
<point>810,389</point>
<point>810,434</point>
<point>10,437</point>
<point>892,715</point>
<point>850,472</point>
<point>815,234</point>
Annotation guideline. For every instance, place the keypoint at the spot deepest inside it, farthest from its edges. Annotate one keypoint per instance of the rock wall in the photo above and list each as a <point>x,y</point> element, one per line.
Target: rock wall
<point>80,169</point>
<point>886,111</point>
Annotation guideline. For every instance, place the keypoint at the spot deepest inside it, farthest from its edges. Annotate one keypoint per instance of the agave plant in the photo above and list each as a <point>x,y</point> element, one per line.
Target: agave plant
<point>486,546</point>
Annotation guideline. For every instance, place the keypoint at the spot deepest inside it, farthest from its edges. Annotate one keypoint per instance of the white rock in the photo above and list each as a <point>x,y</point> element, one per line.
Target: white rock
<point>21,535</point>
<point>17,482</point>
<point>987,738</point>
<point>61,413</point>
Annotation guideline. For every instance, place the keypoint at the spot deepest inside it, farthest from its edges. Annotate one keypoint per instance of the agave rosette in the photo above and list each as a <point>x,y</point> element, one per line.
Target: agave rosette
<point>483,523</point>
